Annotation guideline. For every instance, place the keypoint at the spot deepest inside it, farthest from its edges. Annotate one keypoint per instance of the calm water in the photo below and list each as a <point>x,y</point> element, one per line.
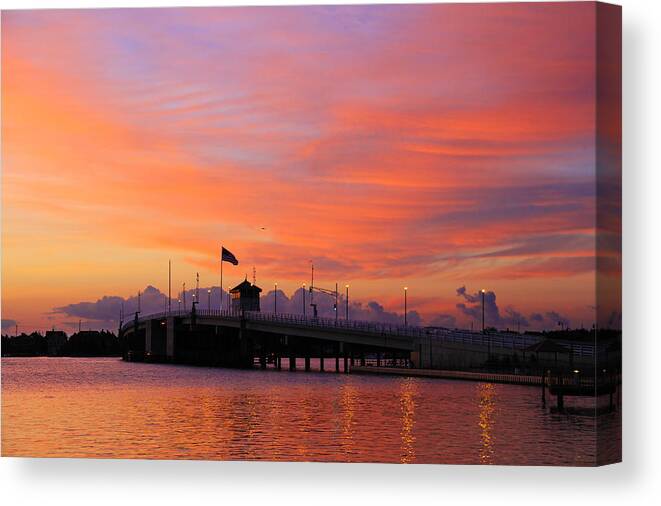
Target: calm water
<point>65,407</point>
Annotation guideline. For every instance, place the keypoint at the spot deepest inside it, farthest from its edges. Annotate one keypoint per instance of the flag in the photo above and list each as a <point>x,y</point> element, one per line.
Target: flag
<point>227,256</point>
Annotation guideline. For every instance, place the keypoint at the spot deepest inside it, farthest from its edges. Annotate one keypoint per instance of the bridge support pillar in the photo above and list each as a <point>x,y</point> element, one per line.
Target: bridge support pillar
<point>148,327</point>
<point>307,364</point>
<point>346,364</point>
<point>321,362</point>
<point>169,338</point>
<point>378,359</point>
<point>337,363</point>
<point>278,363</point>
<point>292,363</point>
<point>262,362</point>
<point>362,359</point>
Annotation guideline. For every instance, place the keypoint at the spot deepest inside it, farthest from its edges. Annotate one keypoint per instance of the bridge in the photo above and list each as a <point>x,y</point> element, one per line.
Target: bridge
<point>241,339</point>
<point>237,339</point>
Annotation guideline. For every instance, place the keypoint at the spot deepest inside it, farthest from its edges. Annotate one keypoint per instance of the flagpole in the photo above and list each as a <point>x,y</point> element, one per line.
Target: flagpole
<point>169,286</point>
<point>221,277</point>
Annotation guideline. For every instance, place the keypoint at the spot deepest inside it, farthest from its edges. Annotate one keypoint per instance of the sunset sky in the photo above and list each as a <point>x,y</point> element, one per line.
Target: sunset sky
<point>435,147</point>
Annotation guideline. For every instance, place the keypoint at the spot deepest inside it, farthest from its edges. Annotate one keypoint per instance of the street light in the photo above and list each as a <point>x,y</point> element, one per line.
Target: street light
<point>209,299</point>
<point>483,331</point>
<point>406,289</point>
<point>482,291</point>
<point>275,300</point>
<point>346,310</point>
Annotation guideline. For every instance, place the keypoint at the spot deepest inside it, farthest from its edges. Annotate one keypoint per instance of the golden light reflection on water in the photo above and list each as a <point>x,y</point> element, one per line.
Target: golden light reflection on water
<point>486,401</point>
<point>407,406</point>
<point>348,399</point>
<point>109,408</point>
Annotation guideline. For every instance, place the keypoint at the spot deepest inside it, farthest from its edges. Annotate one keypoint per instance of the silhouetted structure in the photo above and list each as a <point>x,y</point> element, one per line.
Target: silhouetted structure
<point>56,340</point>
<point>92,343</point>
<point>245,297</point>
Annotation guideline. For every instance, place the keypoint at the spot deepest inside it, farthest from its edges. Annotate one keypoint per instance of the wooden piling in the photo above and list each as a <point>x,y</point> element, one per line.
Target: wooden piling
<point>561,400</point>
<point>544,387</point>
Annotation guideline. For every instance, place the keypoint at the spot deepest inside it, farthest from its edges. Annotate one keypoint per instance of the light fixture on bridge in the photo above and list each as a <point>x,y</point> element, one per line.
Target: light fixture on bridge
<point>406,289</point>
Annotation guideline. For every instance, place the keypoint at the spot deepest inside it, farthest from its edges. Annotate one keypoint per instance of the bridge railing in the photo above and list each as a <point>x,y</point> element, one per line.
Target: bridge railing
<point>332,323</point>
<point>437,334</point>
<point>505,340</point>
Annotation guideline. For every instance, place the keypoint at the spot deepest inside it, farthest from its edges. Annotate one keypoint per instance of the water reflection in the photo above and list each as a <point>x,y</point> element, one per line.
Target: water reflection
<point>486,402</point>
<point>348,395</point>
<point>407,406</point>
<point>109,408</point>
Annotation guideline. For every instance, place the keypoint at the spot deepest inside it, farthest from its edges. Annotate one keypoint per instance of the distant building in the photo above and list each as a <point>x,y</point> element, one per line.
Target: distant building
<point>245,297</point>
<point>55,339</point>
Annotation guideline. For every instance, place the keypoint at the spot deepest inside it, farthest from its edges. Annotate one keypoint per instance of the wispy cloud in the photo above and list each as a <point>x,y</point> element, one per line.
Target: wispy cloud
<point>387,143</point>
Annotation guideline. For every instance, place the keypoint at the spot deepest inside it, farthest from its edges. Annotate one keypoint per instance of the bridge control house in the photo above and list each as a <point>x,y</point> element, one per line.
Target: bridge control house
<point>245,297</point>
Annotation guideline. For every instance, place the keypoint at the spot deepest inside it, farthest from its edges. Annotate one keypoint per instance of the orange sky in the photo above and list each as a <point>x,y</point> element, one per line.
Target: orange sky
<point>429,146</point>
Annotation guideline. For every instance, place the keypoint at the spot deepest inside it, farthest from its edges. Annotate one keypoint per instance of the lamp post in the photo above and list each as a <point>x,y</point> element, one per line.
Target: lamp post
<point>304,311</point>
<point>346,309</point>
<point>406,289</point>
<point>483,330</point>
<point>179,305</point>
<point>482,292</point>
<point>209,299</point>
<point>275,300</point>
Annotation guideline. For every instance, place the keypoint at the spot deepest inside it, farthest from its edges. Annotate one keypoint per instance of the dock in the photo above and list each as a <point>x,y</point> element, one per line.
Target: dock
<point>511,379</point>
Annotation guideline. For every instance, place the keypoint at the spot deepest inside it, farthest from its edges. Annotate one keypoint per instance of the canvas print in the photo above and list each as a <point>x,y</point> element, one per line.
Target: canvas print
<point>365,233</point>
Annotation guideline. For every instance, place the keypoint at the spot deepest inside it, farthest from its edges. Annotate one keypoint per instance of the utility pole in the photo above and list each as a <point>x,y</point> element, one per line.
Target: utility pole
<point>275,300</point>
<point>304,311</point>
<point>346,310</point>
<point>183,291</point>
<point>169,286</point>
